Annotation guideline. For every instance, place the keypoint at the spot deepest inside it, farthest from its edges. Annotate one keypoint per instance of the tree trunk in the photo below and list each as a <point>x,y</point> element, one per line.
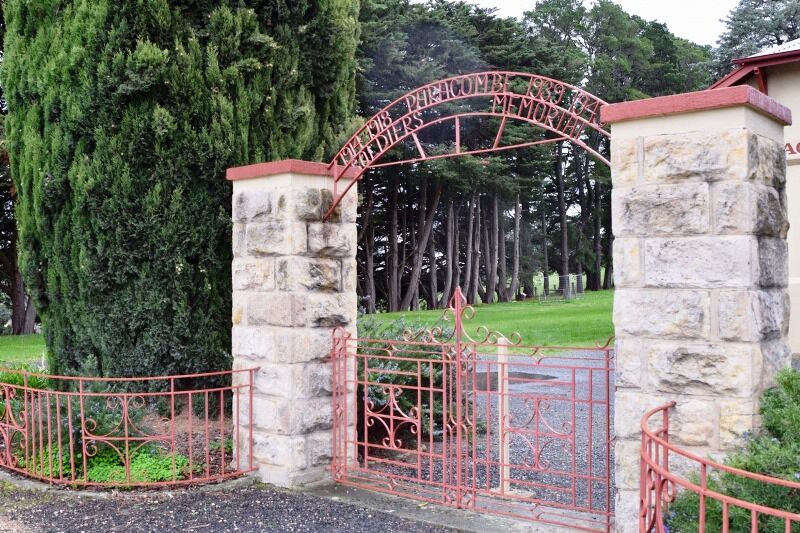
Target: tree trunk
<point>23,313</point>
<point>433,297</point>
<point>562,211</point>
<point>422,242</point>
<point>489,258</point>
<point>369,245</point>
<point>503,290</point>
<point>467,287</point>
<point>451,254</point>
<point>422,208</point>
<point>494,255</point>
<point>517,247</point>
<point>394,282</point>
<point>546,259</point>
<point>598,235</point>
<point>473,297</point>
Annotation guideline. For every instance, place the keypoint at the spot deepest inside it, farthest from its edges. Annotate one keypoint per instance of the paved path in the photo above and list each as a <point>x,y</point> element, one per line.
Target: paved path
<point>253,509</point>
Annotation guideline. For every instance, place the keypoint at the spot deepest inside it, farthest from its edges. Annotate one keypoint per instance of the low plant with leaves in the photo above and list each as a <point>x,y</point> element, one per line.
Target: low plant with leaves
<point>774,452</point>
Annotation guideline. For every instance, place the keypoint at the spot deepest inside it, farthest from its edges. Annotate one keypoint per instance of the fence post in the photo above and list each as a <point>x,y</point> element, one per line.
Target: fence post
<point>505,438</point>
<point>294,283</point>
<point>700,266</point>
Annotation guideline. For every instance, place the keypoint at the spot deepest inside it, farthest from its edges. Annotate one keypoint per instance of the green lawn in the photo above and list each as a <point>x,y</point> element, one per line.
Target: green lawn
<point>575,323</point>
<point>17,349</point>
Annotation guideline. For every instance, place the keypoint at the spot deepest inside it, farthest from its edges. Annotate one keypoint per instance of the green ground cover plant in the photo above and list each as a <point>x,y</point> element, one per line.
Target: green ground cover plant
<point>774,452</point>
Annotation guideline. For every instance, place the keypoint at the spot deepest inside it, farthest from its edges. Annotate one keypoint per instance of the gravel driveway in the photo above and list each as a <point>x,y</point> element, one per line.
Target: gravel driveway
<point>253,509</point>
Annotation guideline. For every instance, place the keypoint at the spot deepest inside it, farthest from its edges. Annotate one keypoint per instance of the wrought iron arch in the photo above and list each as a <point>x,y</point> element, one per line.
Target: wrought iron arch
<point>567,111</point>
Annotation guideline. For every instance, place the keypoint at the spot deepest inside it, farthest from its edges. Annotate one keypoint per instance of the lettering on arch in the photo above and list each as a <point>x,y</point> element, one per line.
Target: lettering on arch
<point>553,105</point>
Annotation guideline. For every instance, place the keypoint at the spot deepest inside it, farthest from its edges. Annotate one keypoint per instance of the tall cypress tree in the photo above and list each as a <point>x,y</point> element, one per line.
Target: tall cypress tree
<point>123,119</point>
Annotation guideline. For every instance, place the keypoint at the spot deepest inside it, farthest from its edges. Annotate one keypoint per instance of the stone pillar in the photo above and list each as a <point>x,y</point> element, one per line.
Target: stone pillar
<point>700,267</point>
<point>294,282</point>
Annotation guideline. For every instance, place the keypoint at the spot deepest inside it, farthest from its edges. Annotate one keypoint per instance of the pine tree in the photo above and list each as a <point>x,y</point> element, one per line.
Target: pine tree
<point>123,119</point>
<point>753,25</point>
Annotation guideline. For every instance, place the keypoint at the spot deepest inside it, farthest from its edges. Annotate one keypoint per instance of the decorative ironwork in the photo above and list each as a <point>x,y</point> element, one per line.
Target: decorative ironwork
<point>566,112</point>
<point>58,429</point>
<point>477,422</point>
<point>659,484</point>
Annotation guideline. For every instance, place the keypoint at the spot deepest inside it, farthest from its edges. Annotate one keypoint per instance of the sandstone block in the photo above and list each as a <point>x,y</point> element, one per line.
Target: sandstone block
<point>302,273</point>
<point>629,353</point>
<point>276,379</point>
<point>753,316</point>
<point>703,262</point>
<point>694,422</point>
<point>252,206</point>
<point>767,161</point>
<point>700,156</point>
<point>315,414</point>
<point>277,237</point>
<point>349,276</point>
<point>626,511</point>
<point>772,218</point>
<point>748,208</point>
<point>271,309</point>
<point>325,310</point>
<point>347,210</point>
<point>280,450</point>
<point>627,262</point>
<point>239,308</point>
<point>297,381</point>
<point>714,369</point>
<point>287,477</point>
<point>332,240</point>
<point>630,405</point>
<point>625,162</point>
<point>773,262</point>
<point>278,415</point>
<point>627,455</point>
<point>313,380</point>
<point>677,314</point>
<point>239,239</point>
<point>737,420</point>
<point>776,356</point>
<point>254,274</point>
<point>319,450</point>
<point>267,344</point>
<point>270,414</point>
<point>291,309</point>
<point>671,209</point>
<point>308,204</point>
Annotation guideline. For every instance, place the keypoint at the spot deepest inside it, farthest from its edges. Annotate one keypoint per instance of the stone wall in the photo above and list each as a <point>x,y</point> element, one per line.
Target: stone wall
<point>700,261</point>
<point>294,282</point>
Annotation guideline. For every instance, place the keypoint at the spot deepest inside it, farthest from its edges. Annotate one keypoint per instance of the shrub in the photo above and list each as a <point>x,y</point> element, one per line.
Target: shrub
<point>123,118</point>
<point>774,452</point>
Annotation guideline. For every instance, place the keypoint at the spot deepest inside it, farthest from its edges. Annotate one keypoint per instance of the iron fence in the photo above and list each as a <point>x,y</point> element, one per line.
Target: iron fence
<point>481,423</point>
<point>126,432</point>
<point>660,485</point>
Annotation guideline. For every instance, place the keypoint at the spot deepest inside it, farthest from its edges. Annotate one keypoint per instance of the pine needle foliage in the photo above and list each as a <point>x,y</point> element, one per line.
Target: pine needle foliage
<point>123,117</point>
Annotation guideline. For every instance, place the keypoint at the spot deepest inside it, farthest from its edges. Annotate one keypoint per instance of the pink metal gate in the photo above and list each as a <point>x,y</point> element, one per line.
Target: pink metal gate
<point>484,424</point>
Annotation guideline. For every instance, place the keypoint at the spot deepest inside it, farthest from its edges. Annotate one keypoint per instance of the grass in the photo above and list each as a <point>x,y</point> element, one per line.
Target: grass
<point>582,322</point>
<point>21,349</point>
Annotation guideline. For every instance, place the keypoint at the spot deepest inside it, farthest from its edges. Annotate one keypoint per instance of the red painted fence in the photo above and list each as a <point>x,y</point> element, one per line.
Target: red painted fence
<point>485,424</point>
<point>660,485</point>
<point>126,432</point>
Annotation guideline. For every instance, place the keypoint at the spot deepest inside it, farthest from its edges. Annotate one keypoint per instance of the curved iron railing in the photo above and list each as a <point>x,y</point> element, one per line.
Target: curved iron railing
<point>126,432</point>
<point>659,486</point>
